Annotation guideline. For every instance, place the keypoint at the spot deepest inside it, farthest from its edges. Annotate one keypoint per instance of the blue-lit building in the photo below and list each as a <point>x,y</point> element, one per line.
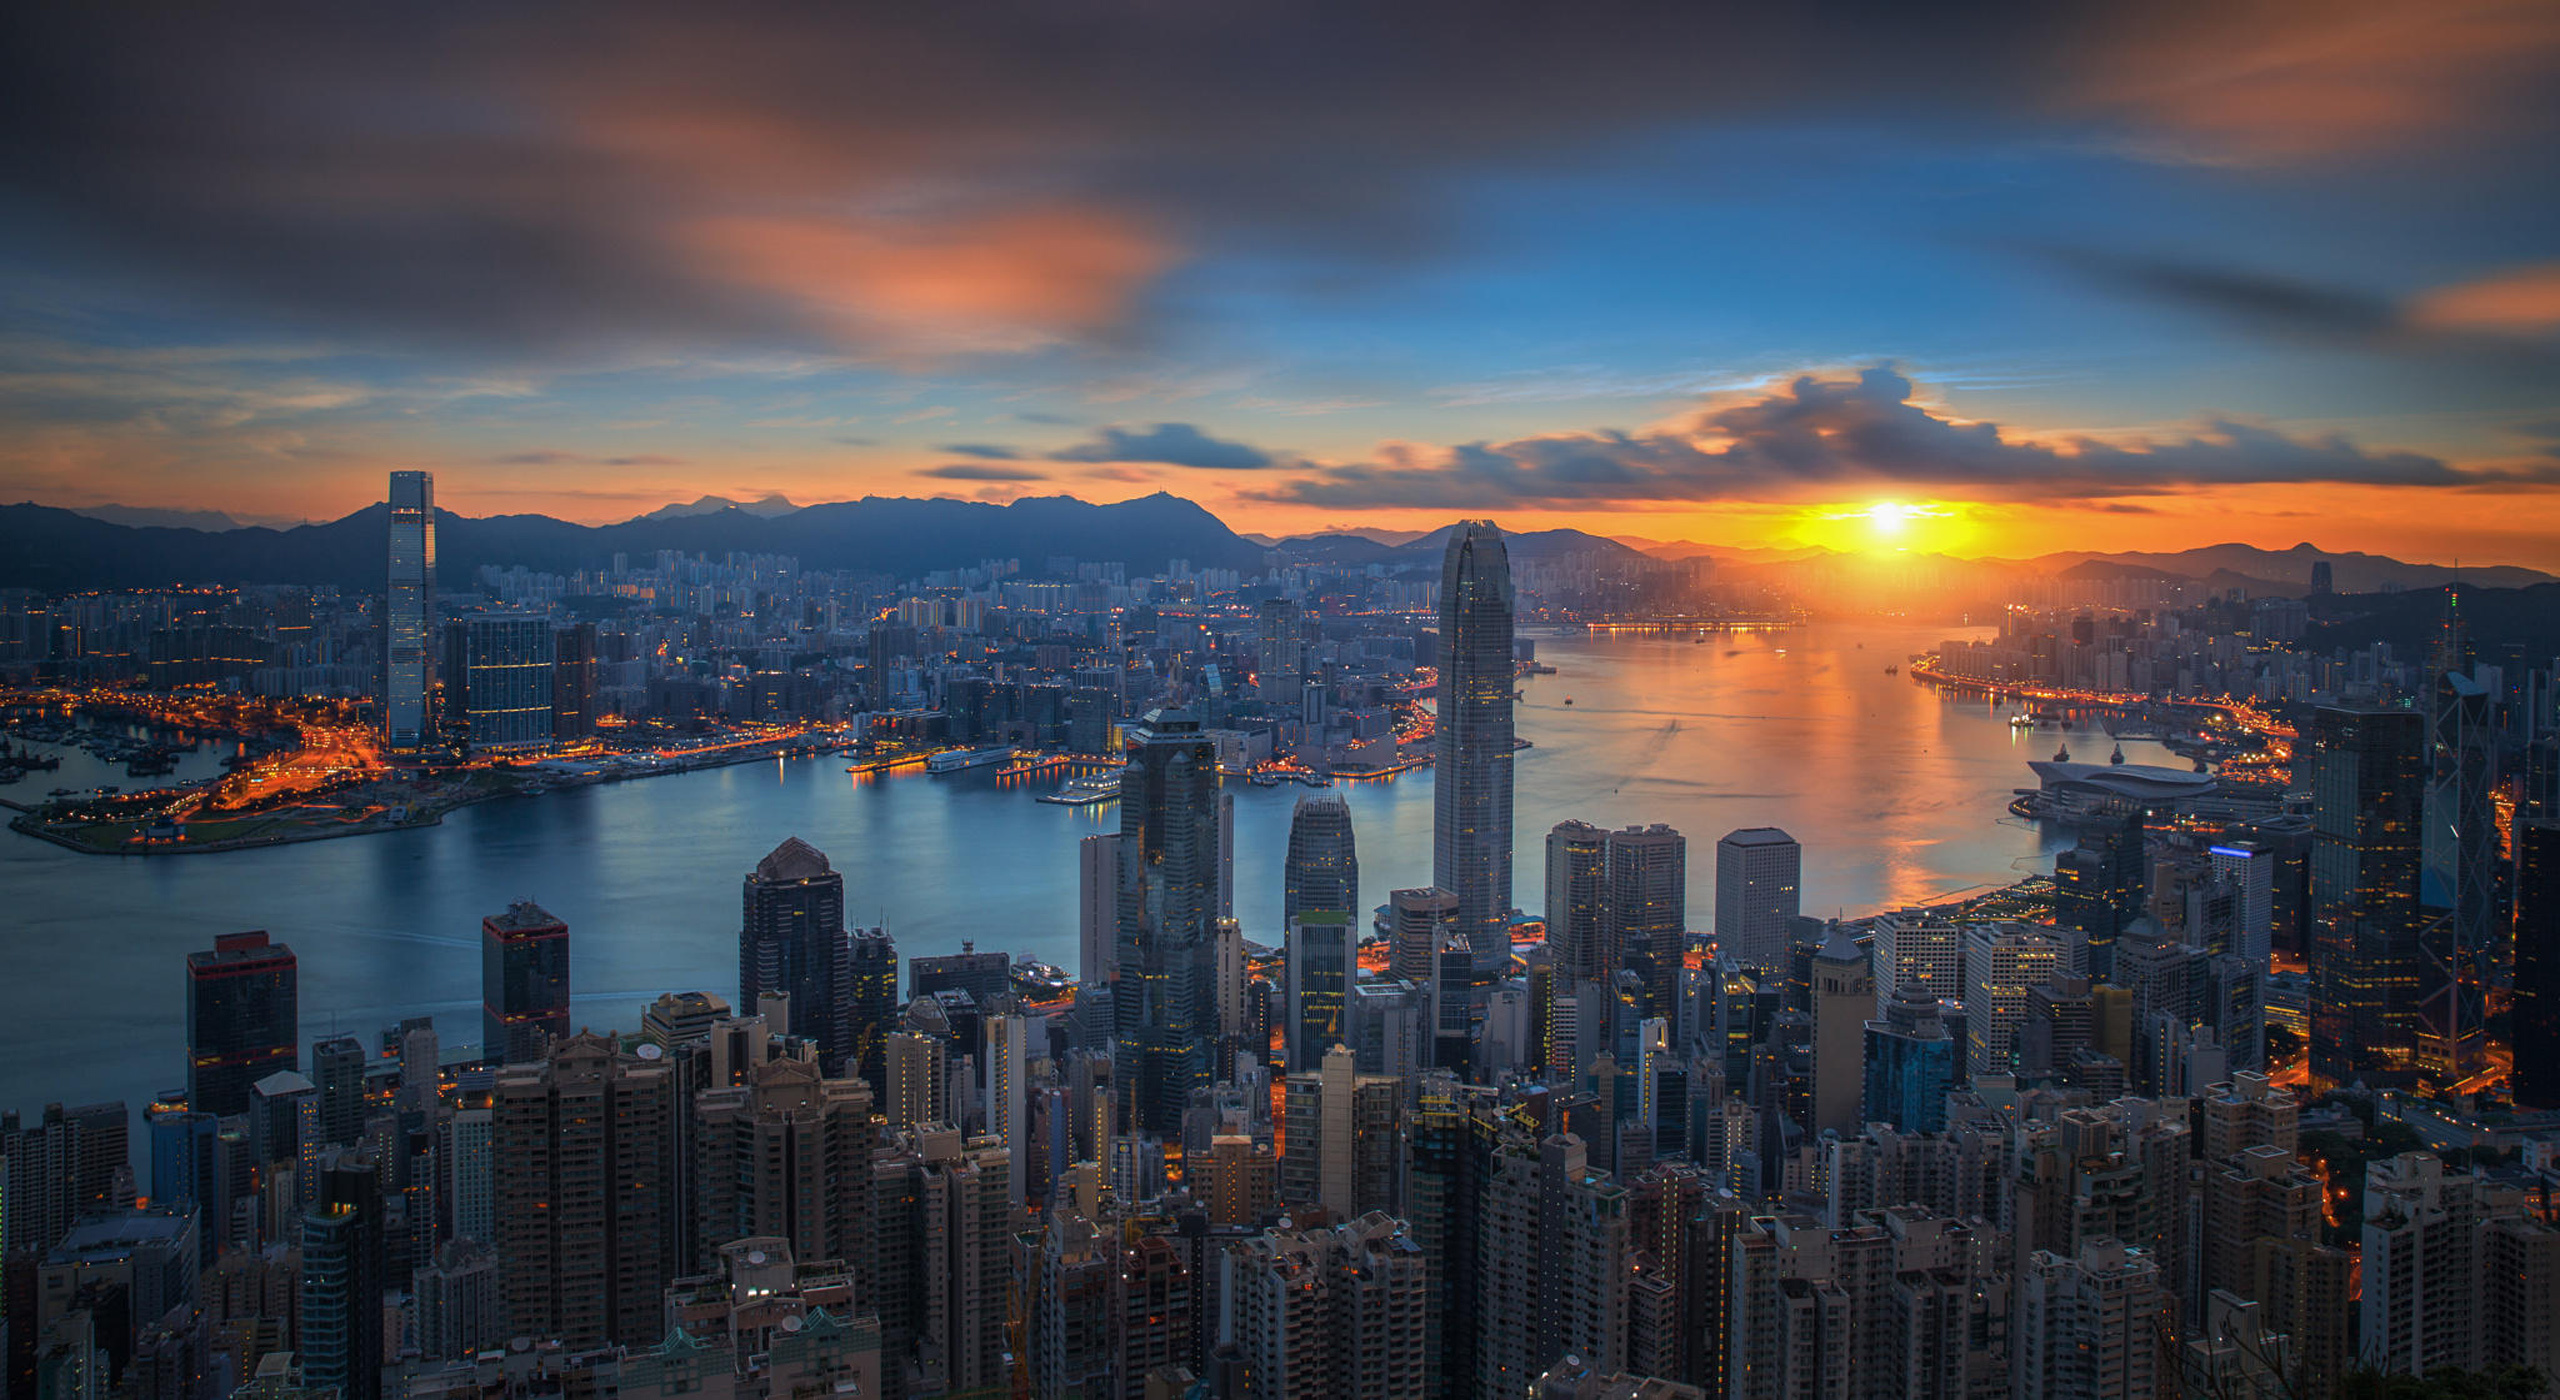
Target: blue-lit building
<point>1911,1063</point>
<point>498,675</point>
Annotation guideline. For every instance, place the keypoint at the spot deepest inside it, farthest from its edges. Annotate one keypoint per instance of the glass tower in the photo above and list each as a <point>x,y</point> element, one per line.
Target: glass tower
<point>1166,1004</point>
<point>408,613</point>
<point>2368,778</point>
<point>1323,874</point>
<point>524,983</point>
<point>243,1011</point>
<point>792,940</point>
<point>2537,989</point>
<point>1471,797</point>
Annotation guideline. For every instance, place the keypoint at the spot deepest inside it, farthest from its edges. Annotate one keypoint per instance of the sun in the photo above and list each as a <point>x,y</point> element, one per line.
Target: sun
<point>1891,520</point>
<point>1884,527</point>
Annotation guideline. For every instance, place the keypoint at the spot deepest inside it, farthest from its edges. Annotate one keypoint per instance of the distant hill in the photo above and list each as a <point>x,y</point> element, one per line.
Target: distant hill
<point>62,551</point>
<point>155,515</point>
<point>768,508</point>
<point>2289,570</point>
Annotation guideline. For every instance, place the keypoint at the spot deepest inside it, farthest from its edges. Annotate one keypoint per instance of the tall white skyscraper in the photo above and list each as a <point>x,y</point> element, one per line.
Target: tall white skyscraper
<point>1759,878</point>
<point>408,613</point>
<point>1921,949</point>
<point>2001,962</point>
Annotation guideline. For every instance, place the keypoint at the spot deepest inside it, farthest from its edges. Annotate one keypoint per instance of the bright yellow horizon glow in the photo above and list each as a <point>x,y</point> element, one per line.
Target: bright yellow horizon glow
<point>1885,527</point>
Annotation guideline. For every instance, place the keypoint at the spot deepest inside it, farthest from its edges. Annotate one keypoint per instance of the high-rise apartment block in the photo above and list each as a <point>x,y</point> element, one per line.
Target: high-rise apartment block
<point>586,1210</point>
<point>787,1155</point>
<point>1314,1314</point>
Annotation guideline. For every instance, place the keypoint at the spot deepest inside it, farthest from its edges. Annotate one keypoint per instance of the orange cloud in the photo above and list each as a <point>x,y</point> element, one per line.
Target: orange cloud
<point>1005,282</point>
<point>2275,79</point>
<point>2527,300</point>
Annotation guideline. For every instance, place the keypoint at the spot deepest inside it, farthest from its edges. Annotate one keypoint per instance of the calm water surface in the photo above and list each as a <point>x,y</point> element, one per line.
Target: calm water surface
<point>1897,793</point>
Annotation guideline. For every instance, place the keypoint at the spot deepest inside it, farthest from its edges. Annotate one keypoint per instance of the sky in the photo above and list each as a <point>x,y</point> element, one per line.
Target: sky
<point>1991,279</point>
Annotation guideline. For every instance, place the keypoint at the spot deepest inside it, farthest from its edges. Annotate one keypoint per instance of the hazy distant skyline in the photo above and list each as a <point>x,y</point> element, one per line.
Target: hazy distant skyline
<point>1992,279</point>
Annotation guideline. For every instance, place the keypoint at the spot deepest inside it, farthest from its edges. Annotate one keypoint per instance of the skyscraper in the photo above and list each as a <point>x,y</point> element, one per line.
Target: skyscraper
<point>1578,923</point>
<point>2461,855</point>
<point>1097,909</point>
<point>1320,977</point>
<point>498,673</point>
<point>584,1192</point>
<point>2537,977</point>
<point>573,682</point>
<point>342,1268</point>
<point>337,1070</point>
<point>792,940</point>
<point>243,1014</point>
<point>524,982</point>
<point>408,613</point>
<point>787,1154</point>
<point>1417,923</point>
<point>871,1006</point>
<point>1323,873</point>
<point>2367,773</point>
<point>1759,874</point>
<point>1910,1064</point>
<point>1165,1004</point>
<point>1649,910</point>
<point>1843,997</point>
<point>1471,783</point>
<point>1278,668</point>
<point>2001,962</point>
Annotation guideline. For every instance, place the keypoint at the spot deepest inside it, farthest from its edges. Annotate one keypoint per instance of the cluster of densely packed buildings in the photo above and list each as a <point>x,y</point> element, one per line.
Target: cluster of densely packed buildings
<point>1426,1146</point>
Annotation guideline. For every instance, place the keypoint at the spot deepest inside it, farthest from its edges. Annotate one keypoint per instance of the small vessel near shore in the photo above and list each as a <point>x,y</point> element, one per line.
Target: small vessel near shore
<point>958,760</point>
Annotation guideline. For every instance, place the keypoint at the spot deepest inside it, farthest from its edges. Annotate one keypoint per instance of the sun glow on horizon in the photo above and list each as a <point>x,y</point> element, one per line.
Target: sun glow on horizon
<point>1884,526</point>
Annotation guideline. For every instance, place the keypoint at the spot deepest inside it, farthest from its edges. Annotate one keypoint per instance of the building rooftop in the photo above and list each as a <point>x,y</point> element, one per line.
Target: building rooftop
<point>794,859</point>
<point>523,916</point>
<point>232,950</point>
<point>1757,836</point>
<point>2124,779</point>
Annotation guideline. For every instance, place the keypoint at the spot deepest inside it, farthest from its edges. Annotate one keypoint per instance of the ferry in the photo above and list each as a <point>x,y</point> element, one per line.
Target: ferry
<point>1084,792</point>
<point>958,759</point>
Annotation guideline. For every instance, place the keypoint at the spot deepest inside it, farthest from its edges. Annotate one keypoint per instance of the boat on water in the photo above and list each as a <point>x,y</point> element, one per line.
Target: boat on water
<point>2063,754</point>
<point>2117,756</point>
<point>1084,792</point>
<point>958,759</point>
